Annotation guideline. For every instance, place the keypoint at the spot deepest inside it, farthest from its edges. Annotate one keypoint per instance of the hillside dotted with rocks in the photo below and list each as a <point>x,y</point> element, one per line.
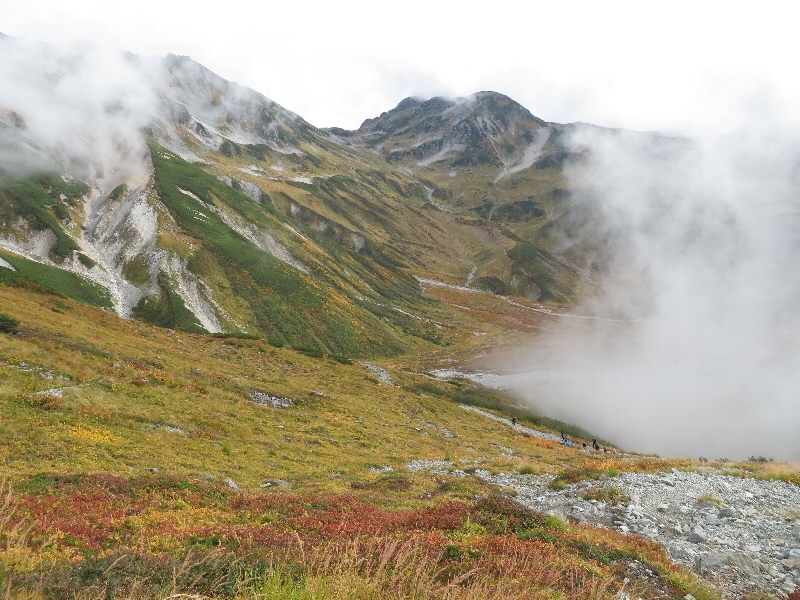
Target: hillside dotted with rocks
<point>741,533</point>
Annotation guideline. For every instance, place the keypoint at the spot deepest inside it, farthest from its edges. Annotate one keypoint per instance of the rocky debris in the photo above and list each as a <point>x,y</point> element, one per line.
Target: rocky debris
<point>43,372</point>
<point>172,429</point>
<point>275,483</point>
<point>251,189</point>
<point>231,484</point>
<point>53,392</point>
<point>438,467</point>
<point>743,534</point>
<point>381,469</point>
<point>379,372</point>
<point>151,469</point>
<point>267,399</point>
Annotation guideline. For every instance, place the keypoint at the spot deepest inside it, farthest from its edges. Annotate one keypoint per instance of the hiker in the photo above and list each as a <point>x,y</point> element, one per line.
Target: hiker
<point>513,421</point>
<point>595,445</point>
<point>584,445</point>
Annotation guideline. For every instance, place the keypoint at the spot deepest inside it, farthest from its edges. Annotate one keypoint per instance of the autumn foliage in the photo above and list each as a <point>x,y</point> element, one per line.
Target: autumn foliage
<point>106,535</point>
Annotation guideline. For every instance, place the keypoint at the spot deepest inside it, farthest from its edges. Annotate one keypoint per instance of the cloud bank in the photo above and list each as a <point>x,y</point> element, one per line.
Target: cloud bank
<point>704,239</point>
<point>70,105</point>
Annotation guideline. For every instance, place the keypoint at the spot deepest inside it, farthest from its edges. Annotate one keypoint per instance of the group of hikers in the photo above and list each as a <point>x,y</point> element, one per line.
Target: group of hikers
<point>569,443</point>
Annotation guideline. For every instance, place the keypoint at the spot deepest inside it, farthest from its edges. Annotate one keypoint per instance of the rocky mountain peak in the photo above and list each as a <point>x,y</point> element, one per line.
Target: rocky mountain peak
<point>486,128</point>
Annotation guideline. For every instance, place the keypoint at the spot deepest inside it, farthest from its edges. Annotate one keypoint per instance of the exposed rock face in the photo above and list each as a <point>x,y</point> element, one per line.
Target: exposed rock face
<point>486,128</point>
<point>121,218</point>
<point>200,109</point>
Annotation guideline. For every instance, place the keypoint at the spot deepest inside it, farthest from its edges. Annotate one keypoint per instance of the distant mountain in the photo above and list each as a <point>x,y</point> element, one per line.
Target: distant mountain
<point>486,128</point>
<point>225,212</point>
<point>487,159</point>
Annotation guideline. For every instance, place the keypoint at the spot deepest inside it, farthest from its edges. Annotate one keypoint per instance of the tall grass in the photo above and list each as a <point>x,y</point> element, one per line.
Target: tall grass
<point>16,555</point>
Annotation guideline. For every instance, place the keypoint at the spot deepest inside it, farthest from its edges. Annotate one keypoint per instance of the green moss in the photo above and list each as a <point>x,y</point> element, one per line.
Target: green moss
<point>53,280</point>
<point>118,193</point>
<point>167,309</point>
<point>86,261</point>
<point>38,201</point>
<point>136,271</point>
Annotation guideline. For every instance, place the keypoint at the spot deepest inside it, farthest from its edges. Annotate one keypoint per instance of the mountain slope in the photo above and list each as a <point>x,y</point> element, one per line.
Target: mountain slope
<point>229,213</point>
<point>488,160</point>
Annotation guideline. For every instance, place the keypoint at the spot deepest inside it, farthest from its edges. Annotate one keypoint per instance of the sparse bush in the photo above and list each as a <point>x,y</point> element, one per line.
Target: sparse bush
<point>118,192</point>
<point>583,473</point>
<point>610,495</point>
<point>710,498</point>
<point>43,401</point>
<point>309,351</point>
<point>8,324</point>
<point>759,459</point>
<point>86,261</point>
<point>236,335</point>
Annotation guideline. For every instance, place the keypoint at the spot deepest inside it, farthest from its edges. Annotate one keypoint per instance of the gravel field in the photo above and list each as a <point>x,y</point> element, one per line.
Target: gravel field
<point>743,534</point>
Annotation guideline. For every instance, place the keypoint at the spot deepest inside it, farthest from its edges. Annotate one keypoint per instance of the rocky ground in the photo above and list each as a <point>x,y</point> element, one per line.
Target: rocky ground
<point>741,533</point>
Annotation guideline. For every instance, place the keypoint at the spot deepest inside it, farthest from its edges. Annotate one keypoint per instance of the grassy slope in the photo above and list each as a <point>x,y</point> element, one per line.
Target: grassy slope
<point>28,273</point>
<point>126,390</point>
<point>41,201</point>
<point>126,381</point>
<point>353,301</point>
<point>319,309</point>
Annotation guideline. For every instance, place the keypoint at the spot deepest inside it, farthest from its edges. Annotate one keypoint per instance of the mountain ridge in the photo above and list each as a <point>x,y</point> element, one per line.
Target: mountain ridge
<point>319,204</point>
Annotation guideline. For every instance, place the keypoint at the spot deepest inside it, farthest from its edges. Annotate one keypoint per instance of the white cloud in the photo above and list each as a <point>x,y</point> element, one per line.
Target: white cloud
<point>705,238</point>
<point>679,66</point>
<point>77,104</point>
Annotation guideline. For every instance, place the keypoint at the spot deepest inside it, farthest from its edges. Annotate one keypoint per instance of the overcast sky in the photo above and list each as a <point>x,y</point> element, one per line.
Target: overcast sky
<point>688,67</point>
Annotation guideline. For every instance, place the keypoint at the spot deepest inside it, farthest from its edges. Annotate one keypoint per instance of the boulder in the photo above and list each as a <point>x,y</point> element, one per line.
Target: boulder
<point>231,484</point>
<point>714,561</point>
<point>790,563</point>
<point>697,535</point>
<point>744,564</point>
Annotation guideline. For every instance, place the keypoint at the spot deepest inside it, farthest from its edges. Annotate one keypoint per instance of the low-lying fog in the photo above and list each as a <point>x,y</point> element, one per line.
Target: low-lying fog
<point>705,242</point>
